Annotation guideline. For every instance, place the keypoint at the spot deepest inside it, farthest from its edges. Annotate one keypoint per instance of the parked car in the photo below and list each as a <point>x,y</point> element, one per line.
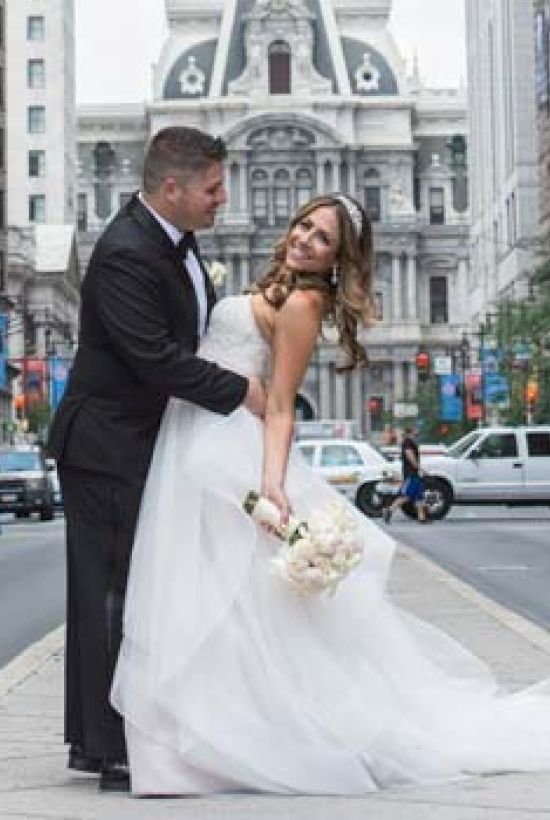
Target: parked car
<point>492,465</point>
<point>55,483</point>
<point>25,485</point>
<point>326,428</point>
<point>352,467</point>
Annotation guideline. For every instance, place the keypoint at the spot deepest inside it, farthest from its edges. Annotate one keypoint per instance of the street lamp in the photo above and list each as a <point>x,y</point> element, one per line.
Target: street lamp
<point>464,364</point>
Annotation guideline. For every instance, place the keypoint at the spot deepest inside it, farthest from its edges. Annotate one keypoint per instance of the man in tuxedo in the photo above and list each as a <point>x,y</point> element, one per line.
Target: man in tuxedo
<point>145,303</point>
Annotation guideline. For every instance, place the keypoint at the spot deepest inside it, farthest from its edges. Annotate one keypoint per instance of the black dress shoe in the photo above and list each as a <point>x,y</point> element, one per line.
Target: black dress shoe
<point>114,777</point>
<point>81,762</point>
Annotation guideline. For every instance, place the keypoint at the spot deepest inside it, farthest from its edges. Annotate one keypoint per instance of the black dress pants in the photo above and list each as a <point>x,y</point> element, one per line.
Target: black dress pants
<point>100,514</point>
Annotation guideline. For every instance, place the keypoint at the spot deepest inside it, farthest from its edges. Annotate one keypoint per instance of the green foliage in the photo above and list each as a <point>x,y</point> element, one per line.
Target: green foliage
<point>430,427</point>
<point>39,416</point>
<point>526,323</point>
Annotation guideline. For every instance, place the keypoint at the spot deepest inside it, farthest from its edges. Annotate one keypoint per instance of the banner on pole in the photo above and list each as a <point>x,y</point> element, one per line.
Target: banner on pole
<point>3,351</point>
<point>59,372</point>
<point>451,398</point>
<point>474,396</point>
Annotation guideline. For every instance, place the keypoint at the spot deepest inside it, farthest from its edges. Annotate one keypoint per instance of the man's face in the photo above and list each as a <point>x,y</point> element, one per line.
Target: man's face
<point>195,200</point>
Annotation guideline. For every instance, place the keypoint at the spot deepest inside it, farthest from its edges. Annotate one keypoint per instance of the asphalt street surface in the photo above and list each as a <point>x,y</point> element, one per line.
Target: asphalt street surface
<point>32,583</point>
<point>503,553</point>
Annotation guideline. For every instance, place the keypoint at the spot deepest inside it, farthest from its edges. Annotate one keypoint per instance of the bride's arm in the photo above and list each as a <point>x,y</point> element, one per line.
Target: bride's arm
<point>295,332</point>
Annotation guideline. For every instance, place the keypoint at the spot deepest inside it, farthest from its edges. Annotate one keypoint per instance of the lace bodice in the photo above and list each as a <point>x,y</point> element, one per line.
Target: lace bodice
<point>233,339</point>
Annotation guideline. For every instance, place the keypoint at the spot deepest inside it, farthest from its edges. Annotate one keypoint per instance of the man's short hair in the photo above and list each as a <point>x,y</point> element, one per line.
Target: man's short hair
<point>179,151</point>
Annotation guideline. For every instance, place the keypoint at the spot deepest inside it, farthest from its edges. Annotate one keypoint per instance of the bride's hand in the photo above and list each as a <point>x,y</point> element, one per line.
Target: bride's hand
<point>277,495</point>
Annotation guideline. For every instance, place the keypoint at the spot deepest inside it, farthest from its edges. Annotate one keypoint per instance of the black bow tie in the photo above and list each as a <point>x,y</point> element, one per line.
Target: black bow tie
<point>186,243</point>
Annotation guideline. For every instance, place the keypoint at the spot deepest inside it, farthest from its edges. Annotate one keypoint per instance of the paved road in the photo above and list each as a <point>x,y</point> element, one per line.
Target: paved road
<point>32,583</point>
<point>504,554</point>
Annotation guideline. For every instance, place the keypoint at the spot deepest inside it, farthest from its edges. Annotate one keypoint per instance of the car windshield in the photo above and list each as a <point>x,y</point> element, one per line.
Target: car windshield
<point>18,462</point>
<point>378,451</point>
<point>459,448</point>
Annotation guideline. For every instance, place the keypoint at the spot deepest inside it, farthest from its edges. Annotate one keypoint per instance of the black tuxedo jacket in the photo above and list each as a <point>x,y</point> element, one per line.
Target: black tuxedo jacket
<point>136,348</point>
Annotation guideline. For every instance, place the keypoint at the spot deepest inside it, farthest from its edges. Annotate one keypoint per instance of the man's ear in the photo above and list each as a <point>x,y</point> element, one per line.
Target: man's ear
<point>170,186</point>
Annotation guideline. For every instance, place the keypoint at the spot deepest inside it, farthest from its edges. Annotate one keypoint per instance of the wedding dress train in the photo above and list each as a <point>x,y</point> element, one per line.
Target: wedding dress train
<point>228,680</point>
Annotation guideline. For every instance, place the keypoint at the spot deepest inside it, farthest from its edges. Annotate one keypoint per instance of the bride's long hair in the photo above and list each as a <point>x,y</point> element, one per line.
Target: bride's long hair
<point>348,292</point>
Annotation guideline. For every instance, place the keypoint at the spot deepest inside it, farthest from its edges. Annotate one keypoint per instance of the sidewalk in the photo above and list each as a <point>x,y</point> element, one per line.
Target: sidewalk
<point>34,782</point>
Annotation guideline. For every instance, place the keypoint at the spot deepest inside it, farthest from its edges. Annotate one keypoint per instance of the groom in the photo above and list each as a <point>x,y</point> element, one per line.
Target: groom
<point>146,298</point>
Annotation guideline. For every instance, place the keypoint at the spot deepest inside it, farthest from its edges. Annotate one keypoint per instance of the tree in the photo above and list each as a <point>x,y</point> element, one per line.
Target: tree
<point>39,416</point>
<point>521,330</point>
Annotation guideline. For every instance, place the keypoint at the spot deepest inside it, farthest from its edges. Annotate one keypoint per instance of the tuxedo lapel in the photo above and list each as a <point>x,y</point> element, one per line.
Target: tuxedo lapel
<point>211,297</point>
<point>155,230</point>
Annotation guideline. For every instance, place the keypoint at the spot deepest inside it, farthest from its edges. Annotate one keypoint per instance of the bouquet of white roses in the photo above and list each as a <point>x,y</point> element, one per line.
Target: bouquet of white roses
<point>315,554</point>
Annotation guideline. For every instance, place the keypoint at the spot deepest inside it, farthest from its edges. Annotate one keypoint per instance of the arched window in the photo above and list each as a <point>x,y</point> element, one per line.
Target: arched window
<point>281,196</point>
<point>304,186</point>
<point>260,209</point>
<point>279,67</point>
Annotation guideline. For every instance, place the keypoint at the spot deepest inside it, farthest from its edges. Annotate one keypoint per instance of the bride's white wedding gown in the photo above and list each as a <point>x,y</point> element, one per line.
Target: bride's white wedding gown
<point>229,681</point>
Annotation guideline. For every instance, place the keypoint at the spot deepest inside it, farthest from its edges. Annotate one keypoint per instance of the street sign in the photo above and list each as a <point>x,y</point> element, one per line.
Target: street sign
<point>405,410</point>
<point>443,365</point>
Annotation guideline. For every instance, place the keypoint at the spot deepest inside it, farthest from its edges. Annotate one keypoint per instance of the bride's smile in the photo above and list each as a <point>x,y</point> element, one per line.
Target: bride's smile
<point>313,242</point>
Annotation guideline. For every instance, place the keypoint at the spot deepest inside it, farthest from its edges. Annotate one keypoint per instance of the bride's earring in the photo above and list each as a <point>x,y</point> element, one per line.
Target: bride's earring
<point>334,276</point>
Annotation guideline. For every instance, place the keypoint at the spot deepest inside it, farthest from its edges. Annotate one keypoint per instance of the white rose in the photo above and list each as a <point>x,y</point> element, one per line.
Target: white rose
<point>217,272</point>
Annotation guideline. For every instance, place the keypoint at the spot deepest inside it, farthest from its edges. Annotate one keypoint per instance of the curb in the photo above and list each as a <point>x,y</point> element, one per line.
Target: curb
<point>31,660</point>
<point>535,635</point>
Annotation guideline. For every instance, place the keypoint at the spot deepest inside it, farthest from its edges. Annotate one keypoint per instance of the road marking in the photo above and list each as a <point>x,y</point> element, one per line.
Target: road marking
<point>505,568</point>
<point>30,661</point>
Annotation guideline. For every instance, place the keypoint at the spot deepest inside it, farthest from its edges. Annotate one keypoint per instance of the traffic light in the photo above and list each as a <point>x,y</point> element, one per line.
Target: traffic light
<point>532,392</point>
<point>423,365</point>
<point>458,152</point>
<point>19,406</point>
<point>375,405</point>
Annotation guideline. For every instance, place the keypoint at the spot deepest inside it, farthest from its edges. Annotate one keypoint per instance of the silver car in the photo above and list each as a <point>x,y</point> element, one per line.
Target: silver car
<point>352,467</point>
<point>25,485</point>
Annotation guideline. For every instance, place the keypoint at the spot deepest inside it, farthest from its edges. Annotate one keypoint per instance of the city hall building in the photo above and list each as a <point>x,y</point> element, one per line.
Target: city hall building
<point>311,96</point>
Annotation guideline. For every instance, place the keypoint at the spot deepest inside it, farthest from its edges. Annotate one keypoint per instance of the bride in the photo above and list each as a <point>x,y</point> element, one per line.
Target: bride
<point>227,680</point>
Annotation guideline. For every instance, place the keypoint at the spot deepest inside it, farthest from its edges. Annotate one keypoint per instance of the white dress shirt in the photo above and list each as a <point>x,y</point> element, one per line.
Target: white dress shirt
<point>192,266</point>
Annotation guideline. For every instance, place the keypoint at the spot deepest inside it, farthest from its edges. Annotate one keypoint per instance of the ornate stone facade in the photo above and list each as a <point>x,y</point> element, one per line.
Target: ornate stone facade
<point>311,96</point>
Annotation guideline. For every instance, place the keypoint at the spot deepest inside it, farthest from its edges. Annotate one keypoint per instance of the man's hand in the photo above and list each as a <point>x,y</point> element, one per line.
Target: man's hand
<point>255,399</point>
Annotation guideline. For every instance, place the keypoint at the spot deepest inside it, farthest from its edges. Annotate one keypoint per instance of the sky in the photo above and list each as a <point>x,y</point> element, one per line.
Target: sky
<point>114,59</point>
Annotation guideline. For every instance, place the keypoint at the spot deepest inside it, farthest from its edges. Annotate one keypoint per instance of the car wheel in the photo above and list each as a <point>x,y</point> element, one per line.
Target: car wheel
<point>369,501</point>
<point>22,514</point>
<point>438,499</point>
<point>46,514</point>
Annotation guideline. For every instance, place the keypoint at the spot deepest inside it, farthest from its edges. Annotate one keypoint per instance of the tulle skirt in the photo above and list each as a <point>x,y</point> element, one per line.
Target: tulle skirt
<point>228,680</point>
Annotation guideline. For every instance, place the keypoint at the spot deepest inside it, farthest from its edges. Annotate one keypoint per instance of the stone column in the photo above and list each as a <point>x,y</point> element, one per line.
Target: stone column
<point>412,305</point>
<point>243,188</point>
<point>352,175</point>
<point>398,381</point>
<point>340,396</point>
<point>324,389</point>
<point>357,398</point>
<point>413,381</point>
<point>396,287</point>
<point>336,179</point>
<point>245,270</point>
<point>463,289</point>
<point>229,208</point>
<point>320,175</point>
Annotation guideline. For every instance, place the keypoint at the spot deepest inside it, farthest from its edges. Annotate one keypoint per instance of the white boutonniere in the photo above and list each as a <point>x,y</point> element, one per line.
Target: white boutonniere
<point>217,272</point>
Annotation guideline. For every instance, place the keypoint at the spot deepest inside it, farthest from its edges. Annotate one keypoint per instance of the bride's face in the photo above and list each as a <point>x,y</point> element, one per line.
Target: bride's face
<point>312,244</point>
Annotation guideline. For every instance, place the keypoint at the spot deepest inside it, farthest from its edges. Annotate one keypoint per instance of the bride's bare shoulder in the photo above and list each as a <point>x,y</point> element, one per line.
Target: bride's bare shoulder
<point>302,305</point>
